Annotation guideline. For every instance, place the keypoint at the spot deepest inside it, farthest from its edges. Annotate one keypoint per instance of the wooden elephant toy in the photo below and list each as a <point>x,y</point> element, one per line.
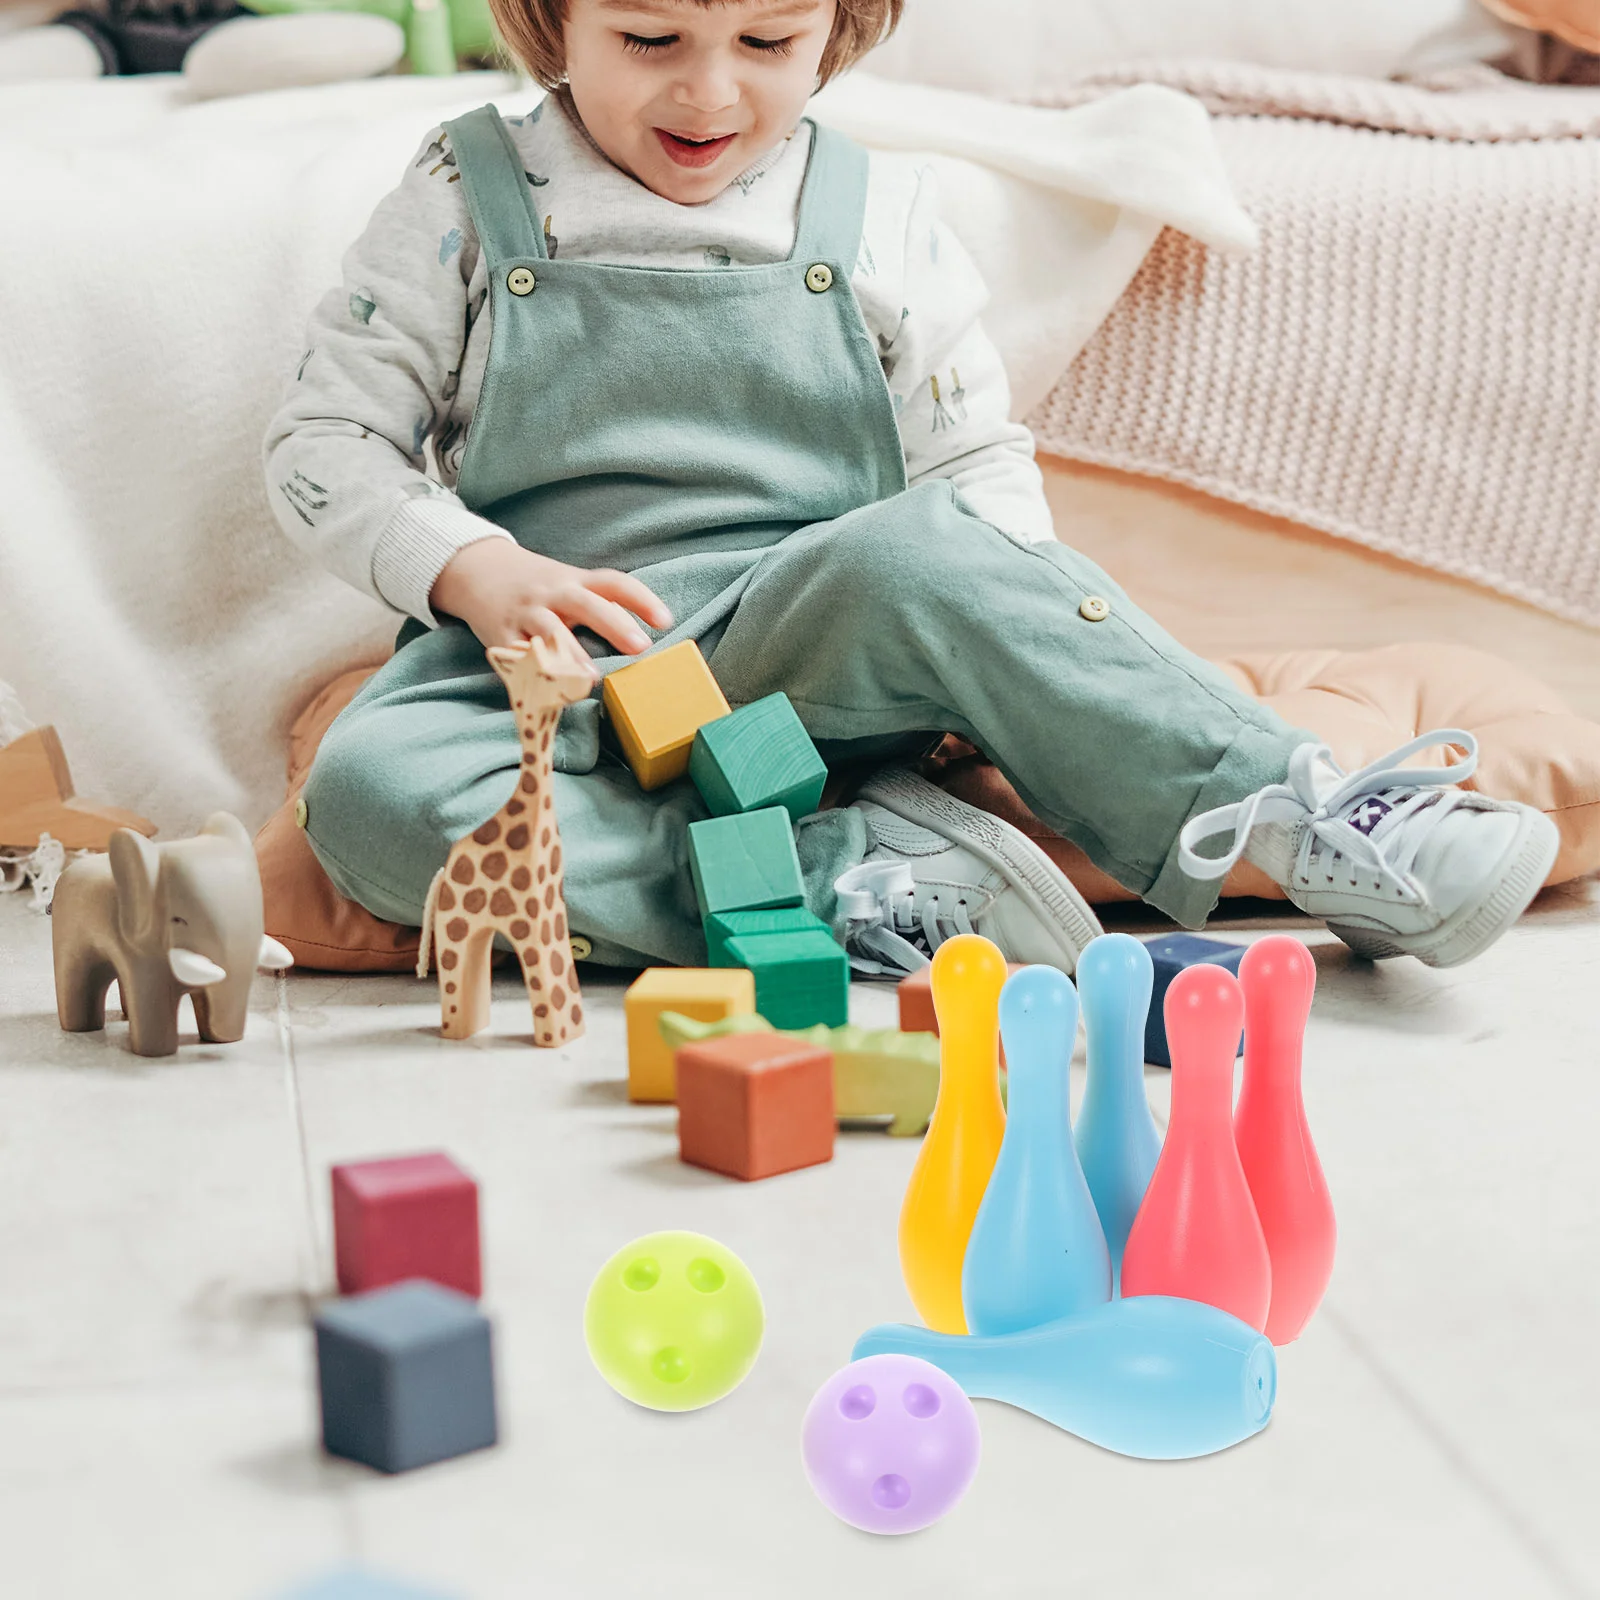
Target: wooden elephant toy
<point>163,920</point>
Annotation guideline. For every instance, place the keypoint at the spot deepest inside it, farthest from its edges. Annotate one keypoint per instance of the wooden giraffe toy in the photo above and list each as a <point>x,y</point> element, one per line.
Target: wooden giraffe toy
<point>505,877</point>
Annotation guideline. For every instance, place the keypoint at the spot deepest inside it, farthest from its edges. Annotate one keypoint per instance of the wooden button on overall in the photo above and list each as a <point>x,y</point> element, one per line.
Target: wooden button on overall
<point>520,281</point>
<point>300,812</point>
<point>581,948</point>
<point>1094,609</point>
<point>819,278</point>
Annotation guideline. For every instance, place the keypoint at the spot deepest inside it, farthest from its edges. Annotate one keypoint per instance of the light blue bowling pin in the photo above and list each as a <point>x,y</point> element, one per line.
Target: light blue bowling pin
<point>1116,1137</point>
<point>1036,1251</point>
<point>1154,1376</point>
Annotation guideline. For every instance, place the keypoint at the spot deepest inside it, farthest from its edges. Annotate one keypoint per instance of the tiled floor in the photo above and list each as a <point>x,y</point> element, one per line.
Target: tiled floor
<point>163,1226</point>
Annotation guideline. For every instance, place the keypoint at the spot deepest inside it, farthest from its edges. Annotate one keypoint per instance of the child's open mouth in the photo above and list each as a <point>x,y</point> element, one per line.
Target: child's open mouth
<point>693,152</point>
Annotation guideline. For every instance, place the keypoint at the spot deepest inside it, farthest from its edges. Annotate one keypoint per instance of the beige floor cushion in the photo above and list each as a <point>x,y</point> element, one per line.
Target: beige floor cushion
<point>1363,703</point>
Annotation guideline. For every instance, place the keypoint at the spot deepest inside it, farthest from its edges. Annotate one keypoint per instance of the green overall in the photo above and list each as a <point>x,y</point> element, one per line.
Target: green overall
<point>727,435</point>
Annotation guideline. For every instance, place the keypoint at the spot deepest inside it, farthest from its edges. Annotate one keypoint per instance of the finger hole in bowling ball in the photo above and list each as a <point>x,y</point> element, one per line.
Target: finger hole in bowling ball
<point>920,1400</point>
<point>706,1276</point>
<point>642,1273</point>
<point>670,1364</point>
<point>891,1491</point>
<point>858,1402</point>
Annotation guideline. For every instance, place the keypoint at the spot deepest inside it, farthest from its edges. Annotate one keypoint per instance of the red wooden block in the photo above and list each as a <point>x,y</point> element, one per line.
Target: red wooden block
<point>916,1002</point>
<point>755,1104</point>
<point>407,1217</point>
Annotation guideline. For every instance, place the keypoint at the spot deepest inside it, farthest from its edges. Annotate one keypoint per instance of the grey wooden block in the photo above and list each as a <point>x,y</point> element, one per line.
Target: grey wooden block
<point>1170,955</point>
<point>406,1376</point>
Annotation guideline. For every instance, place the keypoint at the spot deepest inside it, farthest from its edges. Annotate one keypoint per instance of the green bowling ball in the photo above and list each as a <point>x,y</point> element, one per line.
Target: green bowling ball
<point>673,1321</point>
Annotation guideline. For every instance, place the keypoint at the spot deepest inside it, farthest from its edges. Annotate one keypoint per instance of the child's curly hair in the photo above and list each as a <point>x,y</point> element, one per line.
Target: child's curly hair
<point>532,31</point>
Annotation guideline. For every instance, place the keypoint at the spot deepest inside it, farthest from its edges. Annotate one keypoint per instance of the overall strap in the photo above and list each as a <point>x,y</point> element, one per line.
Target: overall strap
<point>833,200</point>
<point>497,188</point>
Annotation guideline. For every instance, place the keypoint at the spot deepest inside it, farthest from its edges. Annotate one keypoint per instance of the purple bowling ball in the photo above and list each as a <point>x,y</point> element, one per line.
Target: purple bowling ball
<point>890,1443</point>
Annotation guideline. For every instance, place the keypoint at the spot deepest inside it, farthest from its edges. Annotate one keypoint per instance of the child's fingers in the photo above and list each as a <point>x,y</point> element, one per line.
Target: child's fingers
<point>540,622</point>
<point>630,592</point>
<point>606,618</point>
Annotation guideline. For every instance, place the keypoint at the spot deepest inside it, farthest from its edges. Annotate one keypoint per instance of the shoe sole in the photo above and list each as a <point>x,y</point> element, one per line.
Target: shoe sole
<point>1025,866</point>
<point>1475,927</point>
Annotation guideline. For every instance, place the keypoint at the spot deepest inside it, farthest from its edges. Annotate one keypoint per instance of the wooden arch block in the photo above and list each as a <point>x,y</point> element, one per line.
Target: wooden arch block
<point>36,797</point>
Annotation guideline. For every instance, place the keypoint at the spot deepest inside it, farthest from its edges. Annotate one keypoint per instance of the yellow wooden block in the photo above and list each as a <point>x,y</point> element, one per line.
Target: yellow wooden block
<point>657,706</point>
<point>706,993</point>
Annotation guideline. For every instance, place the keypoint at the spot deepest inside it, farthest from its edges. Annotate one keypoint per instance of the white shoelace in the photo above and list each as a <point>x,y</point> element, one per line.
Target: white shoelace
<point>41,866</point>
<point>879,899</point>
<point>1374,820</point>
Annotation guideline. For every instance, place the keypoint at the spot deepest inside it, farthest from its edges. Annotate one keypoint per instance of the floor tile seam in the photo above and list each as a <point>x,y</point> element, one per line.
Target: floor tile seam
<point>316,1273</point>
<point>251,1383</point>
<point>1439,1438</point>
<point>1511,1517</point>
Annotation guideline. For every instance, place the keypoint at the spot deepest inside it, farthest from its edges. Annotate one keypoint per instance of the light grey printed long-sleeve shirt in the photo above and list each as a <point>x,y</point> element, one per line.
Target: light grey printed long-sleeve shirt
<point>362,457</point>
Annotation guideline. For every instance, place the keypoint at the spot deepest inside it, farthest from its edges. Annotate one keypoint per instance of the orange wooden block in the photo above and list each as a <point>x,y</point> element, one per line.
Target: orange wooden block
<point>916,1003</point>
<point>755,1104</point>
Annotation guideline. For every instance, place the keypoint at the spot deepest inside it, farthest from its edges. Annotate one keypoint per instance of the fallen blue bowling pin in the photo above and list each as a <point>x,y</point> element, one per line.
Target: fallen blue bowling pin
<point>1155,1377</point>
<point>1036,1251</point>
<point>1116,1137</point>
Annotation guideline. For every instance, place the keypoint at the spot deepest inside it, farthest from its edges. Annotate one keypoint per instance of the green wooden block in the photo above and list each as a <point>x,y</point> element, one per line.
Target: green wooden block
<point>801,978</point>
<point>726,925</point>
<point>757,756</point>
<point>745,862</point>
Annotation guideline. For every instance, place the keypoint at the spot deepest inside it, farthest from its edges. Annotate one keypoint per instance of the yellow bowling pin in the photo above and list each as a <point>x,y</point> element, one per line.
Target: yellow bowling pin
<point>958,1154</point>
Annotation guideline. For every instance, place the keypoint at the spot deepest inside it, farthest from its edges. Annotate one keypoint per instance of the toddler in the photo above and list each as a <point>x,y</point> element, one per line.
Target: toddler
<point>694,367</point>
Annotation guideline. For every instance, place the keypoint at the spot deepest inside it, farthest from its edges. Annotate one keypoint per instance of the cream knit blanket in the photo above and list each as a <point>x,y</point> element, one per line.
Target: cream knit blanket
<point>1412,358</point>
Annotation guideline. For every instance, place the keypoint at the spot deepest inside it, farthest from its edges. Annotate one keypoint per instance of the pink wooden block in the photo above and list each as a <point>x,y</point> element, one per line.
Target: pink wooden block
<point>406,1217</point>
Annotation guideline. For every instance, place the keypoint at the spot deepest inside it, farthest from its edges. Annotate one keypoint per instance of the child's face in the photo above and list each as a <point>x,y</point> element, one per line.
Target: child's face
<point>685,96</point>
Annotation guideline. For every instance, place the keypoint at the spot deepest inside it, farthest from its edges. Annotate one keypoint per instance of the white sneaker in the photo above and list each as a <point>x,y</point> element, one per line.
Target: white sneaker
<point>1396,860</point>
<point>940,867</point>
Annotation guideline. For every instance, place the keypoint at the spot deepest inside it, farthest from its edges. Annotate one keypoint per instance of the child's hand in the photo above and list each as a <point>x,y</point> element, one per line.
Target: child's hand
<point>506,594</point>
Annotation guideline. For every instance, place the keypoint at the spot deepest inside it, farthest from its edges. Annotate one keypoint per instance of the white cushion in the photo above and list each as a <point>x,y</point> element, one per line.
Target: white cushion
<point>32,55</point>
<point>1031,49</point>
<point>250,54</point>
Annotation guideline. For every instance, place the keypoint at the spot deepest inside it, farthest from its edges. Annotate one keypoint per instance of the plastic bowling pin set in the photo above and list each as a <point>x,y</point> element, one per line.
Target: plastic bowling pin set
<point>1016,1228</point>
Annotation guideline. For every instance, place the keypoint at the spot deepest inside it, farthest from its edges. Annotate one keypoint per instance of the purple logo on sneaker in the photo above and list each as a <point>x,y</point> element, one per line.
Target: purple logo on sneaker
<point>1369,814</point>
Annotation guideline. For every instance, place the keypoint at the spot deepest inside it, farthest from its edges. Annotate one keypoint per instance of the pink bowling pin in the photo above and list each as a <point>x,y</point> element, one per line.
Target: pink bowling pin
<point>1269,1126</point>
<point>1197,1235</point>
